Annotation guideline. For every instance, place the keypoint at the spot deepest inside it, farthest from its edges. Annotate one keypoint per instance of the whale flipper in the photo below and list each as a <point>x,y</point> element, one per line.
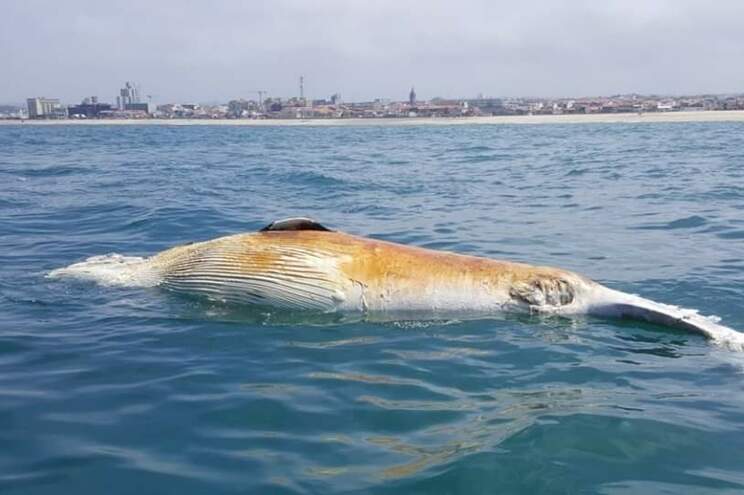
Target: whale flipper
<point>612,303</point>
<point>296,223</point>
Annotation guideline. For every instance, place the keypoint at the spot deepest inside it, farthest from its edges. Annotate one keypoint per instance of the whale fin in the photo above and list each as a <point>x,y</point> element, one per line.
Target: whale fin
<point>618,304</point>
<point>296,223</point>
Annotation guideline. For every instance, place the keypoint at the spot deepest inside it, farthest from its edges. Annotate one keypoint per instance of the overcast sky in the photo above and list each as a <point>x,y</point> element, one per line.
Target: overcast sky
<point>202,51</point>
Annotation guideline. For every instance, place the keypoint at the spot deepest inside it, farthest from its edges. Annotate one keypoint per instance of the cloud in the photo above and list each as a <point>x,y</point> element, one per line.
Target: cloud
<point>202,51</point>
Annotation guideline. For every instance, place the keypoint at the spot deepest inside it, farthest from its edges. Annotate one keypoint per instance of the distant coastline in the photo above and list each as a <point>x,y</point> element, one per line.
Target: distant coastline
<point>604,118</point>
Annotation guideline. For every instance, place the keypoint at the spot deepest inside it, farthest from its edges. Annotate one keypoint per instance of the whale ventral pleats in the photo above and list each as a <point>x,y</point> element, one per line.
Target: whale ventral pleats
<point>298,223</point>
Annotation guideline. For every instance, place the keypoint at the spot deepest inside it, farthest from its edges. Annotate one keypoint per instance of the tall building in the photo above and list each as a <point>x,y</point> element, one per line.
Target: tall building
<point>41,108</point>
<point>412,97</point>
<point>129,94</point>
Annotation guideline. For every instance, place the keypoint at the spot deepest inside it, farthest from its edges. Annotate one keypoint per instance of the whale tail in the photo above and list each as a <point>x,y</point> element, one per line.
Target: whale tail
<point>611,303</point>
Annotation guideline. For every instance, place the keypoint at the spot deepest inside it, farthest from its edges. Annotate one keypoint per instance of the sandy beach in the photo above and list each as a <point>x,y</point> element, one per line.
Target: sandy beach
<point>605,118</point>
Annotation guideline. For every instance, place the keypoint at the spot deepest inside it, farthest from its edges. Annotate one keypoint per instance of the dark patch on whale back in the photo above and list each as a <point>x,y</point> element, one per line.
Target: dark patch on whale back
<point>299,223</point>
<point>544,291</point>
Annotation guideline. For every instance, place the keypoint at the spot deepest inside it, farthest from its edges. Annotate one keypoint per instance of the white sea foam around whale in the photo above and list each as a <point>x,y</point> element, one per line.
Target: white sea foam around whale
<point>111,270</point>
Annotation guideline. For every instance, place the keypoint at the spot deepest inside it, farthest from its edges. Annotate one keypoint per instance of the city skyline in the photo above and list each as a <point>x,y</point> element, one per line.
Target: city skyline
<point>403,95</point>
<point>184,51</point>
<point>129,105</point>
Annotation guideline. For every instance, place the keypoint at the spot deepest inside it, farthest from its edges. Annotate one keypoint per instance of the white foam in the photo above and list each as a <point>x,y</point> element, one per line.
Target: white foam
<point>728,338</point>
<point>112,270</point>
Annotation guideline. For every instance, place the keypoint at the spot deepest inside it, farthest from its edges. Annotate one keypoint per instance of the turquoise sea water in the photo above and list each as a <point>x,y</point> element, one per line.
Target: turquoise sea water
<point>133,390</point>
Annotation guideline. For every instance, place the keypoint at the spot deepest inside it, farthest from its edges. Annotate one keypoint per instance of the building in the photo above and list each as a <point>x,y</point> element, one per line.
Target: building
<point>487,106</point>
<point>412,97</point>
<point>11,112</point>
<point>138,107</point>
<point>129,94</point>
<point>45,108</point>
<point>89,108</point>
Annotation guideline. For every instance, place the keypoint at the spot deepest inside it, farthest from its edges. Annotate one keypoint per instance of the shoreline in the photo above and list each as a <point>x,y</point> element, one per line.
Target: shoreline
<point>603,118</point>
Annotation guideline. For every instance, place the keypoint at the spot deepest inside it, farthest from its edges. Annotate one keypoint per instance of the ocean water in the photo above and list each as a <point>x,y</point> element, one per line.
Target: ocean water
<point>111,389</point>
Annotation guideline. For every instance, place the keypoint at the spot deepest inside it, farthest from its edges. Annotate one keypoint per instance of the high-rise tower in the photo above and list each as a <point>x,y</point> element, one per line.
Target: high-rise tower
<point>127,95</point>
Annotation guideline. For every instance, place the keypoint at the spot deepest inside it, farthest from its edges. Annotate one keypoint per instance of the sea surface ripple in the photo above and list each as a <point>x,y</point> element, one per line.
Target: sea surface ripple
<point>133,390</point>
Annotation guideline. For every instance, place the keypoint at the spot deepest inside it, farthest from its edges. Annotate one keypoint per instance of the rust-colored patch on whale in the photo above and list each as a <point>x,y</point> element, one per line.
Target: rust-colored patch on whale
<point>381,266</point>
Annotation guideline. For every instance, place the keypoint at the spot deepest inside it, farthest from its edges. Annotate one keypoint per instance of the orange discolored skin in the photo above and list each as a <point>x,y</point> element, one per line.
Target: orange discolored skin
<point>366,274</point>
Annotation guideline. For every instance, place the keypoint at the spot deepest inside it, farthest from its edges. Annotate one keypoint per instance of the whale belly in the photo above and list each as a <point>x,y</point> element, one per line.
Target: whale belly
<point>238,269</point>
